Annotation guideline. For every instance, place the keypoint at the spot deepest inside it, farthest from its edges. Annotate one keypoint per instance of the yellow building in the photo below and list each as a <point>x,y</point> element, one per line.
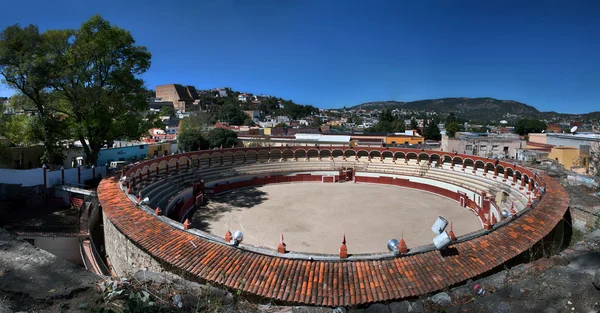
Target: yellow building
<point>158,149</point>
<point>569,157</point>
<point>410,137</point>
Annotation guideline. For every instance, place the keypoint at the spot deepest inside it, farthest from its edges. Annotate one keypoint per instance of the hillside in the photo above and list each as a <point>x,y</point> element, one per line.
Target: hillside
<point>480,109</point>
<point>474,108</point>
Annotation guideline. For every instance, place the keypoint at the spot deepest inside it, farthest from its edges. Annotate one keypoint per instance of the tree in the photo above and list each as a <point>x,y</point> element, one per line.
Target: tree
<point>249,122</point>
<point>451,118</point>
<point>167,110</point>
<point>232,114</point>
<point>432,131</point>
<point>316,122</point>
<point>192,140</point>
<point>526,126</point>
<point>21,130</point>
<point>452,128</point>
<point>414,124</point>
<point>199,120</point>
<point>84,79</point>
<point>218,137</point>
<point>25,68</point>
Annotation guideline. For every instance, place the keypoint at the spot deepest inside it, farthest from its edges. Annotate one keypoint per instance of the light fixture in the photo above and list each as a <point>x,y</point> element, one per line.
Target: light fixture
<point>392,245</point>
<point>507,214</point>
<point>439,226</point>
<point>237,238</point>
<point>442,240</point>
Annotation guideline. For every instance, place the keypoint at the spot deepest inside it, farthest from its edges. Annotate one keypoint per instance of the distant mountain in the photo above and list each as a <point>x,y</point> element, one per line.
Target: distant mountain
<point>476,108</point>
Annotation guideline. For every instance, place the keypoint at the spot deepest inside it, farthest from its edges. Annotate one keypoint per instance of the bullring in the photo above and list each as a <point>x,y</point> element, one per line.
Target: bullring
<point>324,279</point>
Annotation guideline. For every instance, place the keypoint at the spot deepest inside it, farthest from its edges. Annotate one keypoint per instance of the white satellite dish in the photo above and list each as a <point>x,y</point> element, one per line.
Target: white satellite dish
<point>573,129</point>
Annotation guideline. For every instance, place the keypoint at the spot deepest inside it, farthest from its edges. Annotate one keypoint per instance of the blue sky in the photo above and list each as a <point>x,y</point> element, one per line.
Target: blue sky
<point>342,53</point>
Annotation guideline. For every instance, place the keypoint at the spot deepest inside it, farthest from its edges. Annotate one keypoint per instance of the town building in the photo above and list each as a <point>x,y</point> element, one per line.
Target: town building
<point>184,98</point>
<point>486,145</point>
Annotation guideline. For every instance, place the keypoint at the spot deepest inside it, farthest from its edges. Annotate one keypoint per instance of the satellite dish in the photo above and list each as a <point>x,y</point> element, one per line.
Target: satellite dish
<point>543,131</point>
<point>573,129</point>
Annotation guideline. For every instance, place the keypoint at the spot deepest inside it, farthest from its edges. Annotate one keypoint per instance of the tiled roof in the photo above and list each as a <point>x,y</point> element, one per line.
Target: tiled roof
<point>335,282</point>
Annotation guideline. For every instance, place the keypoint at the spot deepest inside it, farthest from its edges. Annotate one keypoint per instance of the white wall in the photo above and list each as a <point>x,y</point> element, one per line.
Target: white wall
<point>34,177</point>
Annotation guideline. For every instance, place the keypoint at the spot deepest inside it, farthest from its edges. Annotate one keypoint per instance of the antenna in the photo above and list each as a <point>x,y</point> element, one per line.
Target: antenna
<point>573,129</point>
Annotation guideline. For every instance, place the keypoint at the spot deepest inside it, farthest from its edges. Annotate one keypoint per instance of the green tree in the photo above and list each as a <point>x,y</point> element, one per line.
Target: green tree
<point>218,137</point>
<point>21,130</point>
<point>192,140</point>
<point>25,67</point>
<point>452,128</point>
<point>414,124</point>
<point>432,131</point>
<point>232,114</point>
<point>87,79</point>
<point>198,120</point>
<point>526,126</point>
<point>167,110</point>
<point>451,118</point>
<point>316,122</point>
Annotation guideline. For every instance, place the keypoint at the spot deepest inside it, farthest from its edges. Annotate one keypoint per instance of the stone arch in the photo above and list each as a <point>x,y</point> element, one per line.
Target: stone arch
<point>173,162</point>
<point>183,161</point>
<point>324,153</point>
<point>411,155</point>
<point>468,162</point>
<point>337,153</point>
<point>349,153</point>
<point>362,154</point>
<point>153,167</point>
<point>312,153</point>
<point>195,158</point>
<point>275,154</point>
<point>215,159</point>
<point>399,155</point>
<point>434,158</point>
<point>447,158</point>
<point>227,158</point>
<point>458,161</point>
<point>500,169</point>
<point>300,154</point>
<point>145,170</point>
<point>204,160</point>
<point>375,154</point>
<point>479,164</point>
<point>490,167</point>
<point>387,154</point>
<point>287,154</point>
<point>263,156</point>
<point>251,156</point>
<point>423,156</point>
<point>239,157</point>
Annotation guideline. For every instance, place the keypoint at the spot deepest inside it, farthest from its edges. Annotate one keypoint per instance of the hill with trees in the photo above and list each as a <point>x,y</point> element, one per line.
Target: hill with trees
<point>476,109</point>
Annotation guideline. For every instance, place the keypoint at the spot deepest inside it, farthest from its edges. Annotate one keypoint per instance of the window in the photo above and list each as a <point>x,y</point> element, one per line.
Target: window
<point>494,148</point>
<point>483,148</point>
<point>469,147</point>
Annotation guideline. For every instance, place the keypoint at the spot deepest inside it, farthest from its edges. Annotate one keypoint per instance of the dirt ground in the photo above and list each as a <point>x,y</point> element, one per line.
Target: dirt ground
<point>314,216</point>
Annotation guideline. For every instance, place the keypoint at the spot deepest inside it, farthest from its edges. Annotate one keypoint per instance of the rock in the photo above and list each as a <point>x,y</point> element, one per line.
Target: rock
<point>502,307</point>
<point>441,298</point>
<point>596,280</point>
<point>378,308</point>
<point>400,307</point>
<point>416,306</point>
<point>178,301</point>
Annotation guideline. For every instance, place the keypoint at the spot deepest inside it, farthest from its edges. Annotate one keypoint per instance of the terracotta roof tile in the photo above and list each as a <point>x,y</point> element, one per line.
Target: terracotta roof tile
<point>330,283</point>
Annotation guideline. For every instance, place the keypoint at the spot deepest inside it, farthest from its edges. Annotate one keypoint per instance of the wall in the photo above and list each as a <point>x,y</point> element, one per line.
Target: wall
<point>129,153</point>
<point>123,255</point>
<point>466,146</point>
<point>159,148</point>
<point>538,138</point>
<point>35,177</point>
<point>402,139</point>
<point>63,247</point>
<point>567,156</point>
<point>29,156</point>
<point>583,220</point>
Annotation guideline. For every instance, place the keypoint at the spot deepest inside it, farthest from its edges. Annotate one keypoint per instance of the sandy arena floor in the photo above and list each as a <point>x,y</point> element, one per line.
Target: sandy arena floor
<point>314,216</point>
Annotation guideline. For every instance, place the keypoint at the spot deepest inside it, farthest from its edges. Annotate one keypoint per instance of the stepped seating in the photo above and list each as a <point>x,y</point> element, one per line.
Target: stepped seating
<point>162,188</point>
